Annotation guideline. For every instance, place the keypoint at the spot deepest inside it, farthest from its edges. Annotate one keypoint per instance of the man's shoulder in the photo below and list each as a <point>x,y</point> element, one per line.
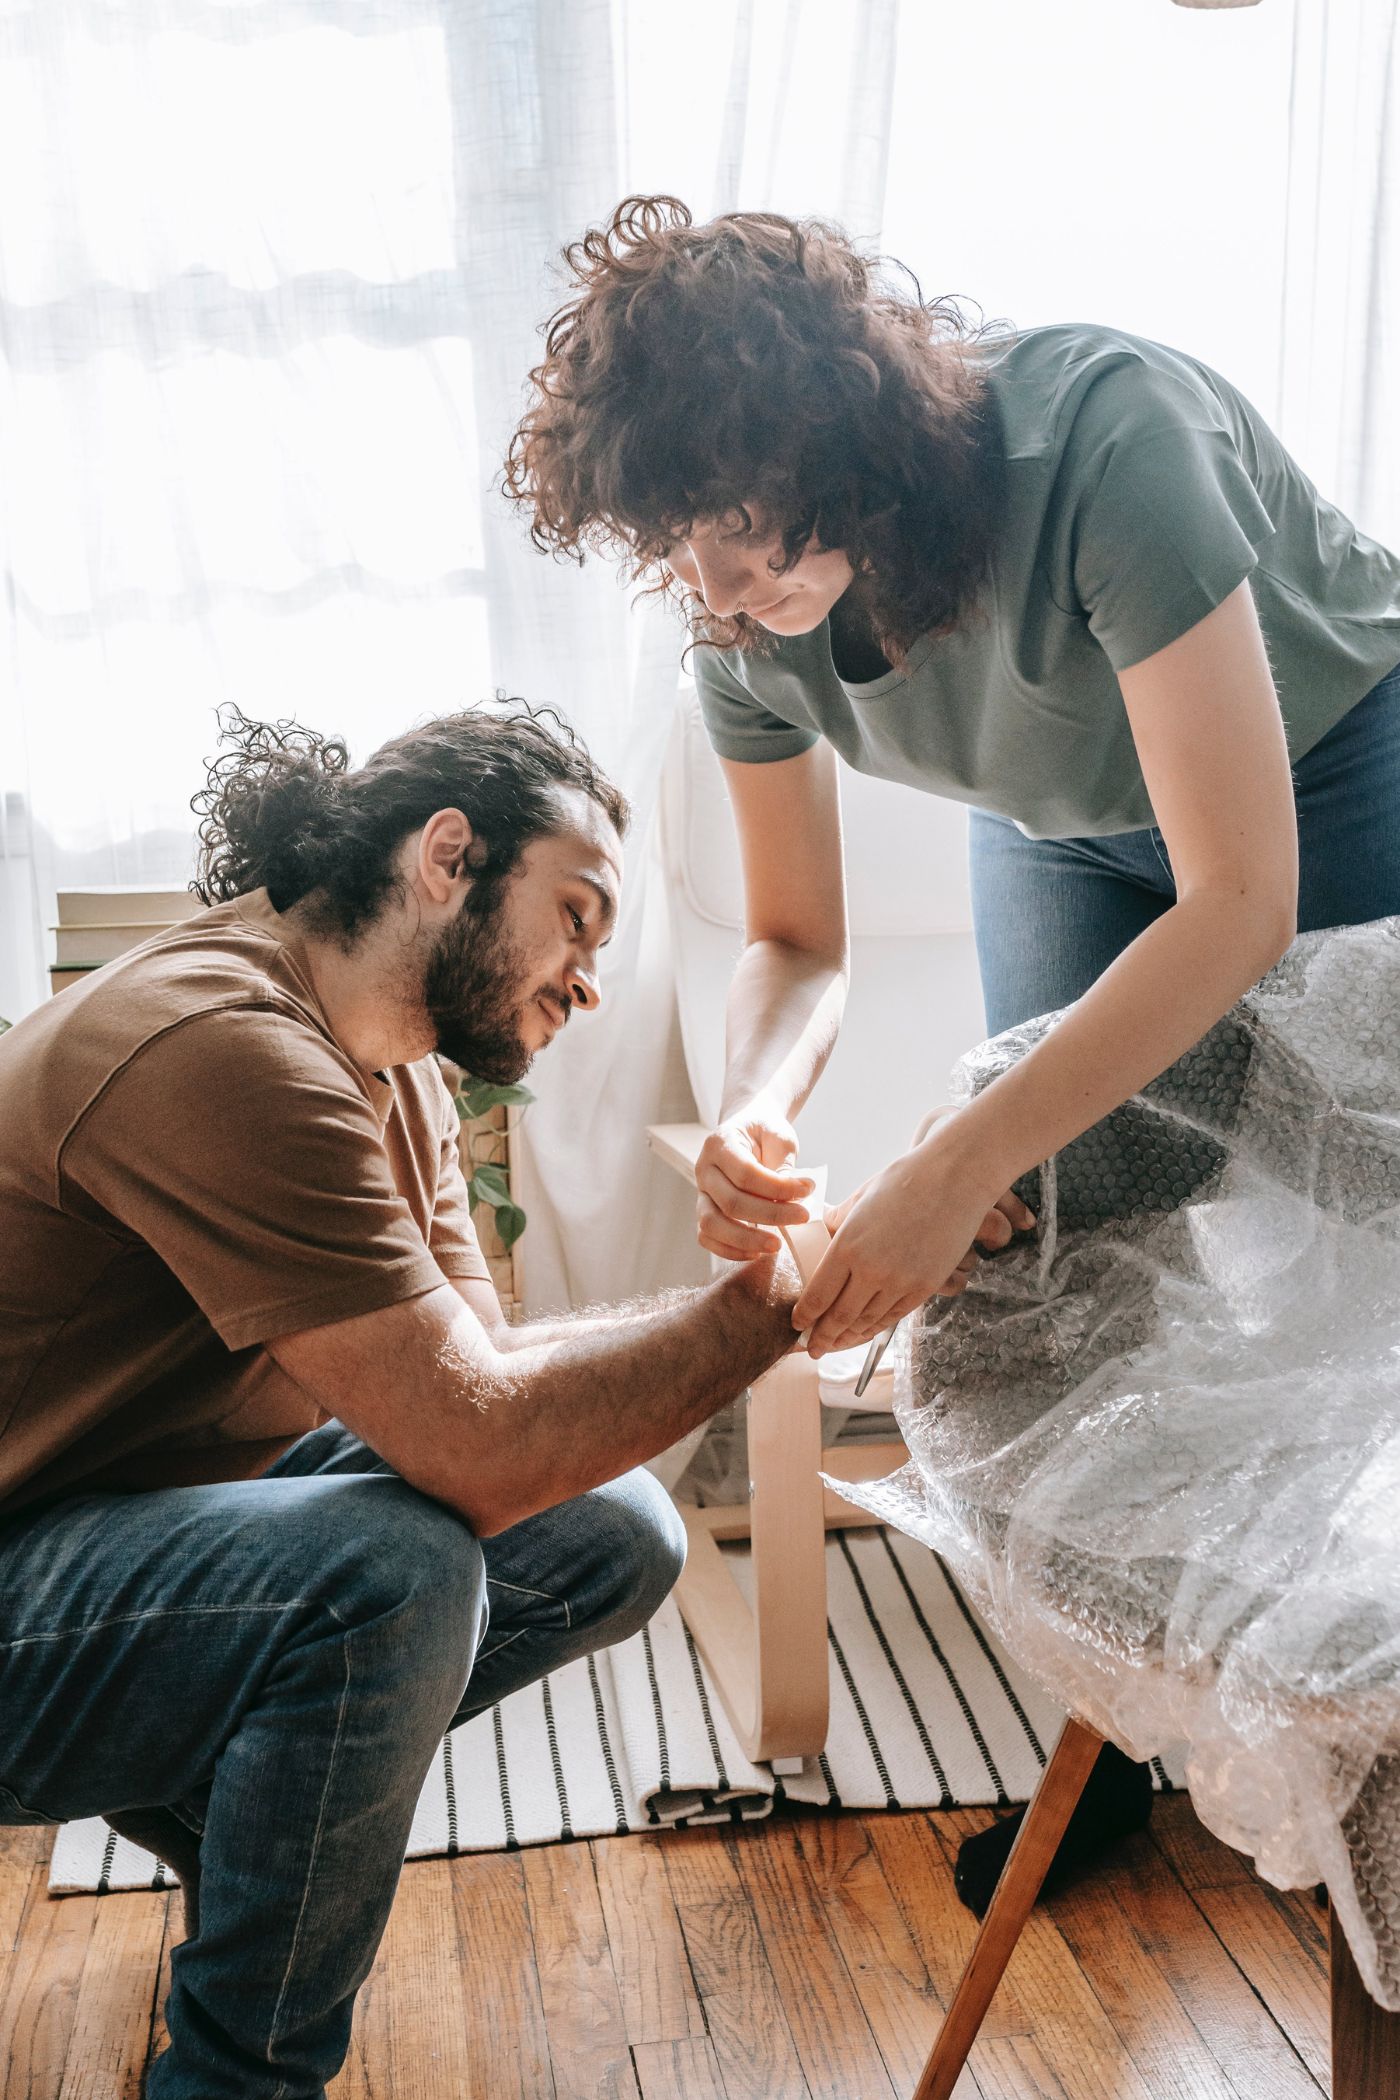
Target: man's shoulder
<point>216,993</point>
<point>212,966</point>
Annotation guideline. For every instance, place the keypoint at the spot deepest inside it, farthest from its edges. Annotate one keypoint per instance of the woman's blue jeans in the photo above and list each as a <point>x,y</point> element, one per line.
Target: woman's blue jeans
<point>1051,914</point>
<point>278,1660</point>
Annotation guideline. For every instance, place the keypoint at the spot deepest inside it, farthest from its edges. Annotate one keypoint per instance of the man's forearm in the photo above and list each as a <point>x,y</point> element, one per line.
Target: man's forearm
<point>608,1391</point>
<point>784,1011</point>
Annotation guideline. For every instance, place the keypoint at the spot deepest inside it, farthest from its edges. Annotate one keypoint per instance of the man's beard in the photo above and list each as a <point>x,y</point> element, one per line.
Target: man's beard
<point>473,992</point>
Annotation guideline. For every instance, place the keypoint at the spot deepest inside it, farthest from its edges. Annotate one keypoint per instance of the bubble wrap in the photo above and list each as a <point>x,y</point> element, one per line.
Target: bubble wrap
<point>1159,1437</point>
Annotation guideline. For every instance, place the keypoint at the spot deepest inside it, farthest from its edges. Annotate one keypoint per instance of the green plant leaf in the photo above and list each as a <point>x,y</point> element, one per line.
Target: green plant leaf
<point>489,1185</point>
<point>510,1223</point>
<point>475,1097</point>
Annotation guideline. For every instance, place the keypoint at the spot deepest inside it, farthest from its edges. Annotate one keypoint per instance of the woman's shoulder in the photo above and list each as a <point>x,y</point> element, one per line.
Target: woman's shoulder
<point>1085,383</point>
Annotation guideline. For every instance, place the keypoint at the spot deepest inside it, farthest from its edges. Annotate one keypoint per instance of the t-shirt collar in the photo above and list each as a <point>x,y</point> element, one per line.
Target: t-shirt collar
<point>257,908</point>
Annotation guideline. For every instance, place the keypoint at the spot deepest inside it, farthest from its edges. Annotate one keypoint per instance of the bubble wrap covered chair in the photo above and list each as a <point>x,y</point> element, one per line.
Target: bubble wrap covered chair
<point>1159,1442</point>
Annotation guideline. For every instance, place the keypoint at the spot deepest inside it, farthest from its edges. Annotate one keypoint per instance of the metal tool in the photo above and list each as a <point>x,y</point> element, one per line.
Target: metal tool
<point>872,1358</point>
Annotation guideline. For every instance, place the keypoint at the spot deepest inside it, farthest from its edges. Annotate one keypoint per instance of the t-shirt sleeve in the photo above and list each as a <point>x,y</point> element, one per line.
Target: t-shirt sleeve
<point>242,1149</point>
<point>452,1236</point>
<point>738,725</point>
<point>1169,524</point>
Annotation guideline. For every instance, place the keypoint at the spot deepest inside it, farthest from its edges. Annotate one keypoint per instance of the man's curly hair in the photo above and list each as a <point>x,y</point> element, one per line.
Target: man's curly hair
<point>762,365</point>
<point>284,810</point>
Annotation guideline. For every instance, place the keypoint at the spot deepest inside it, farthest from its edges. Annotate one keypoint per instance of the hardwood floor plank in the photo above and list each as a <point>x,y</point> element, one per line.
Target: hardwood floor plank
<point>583,2019</point>
<point>412,2037</point>
<point>1069,2026</point>
<point>1197,1856</point>
<point>815,1947</point>
<point>24,1872</point>
<point>1240,2032</point>
<point>739,1996</point>
<point>111,2032</point>
<point>510,2046</point>
<point>886,1968</point>
<point>678,2070</point>
<point>41,1995</point>
<point>943,1930</point>
<point>659,2001</point>
<point>743,2007</point>
<point>700,1866</point>
<point>1292,1977</point>
<point>174,1932</point>
<point>1049,1991</point>
<point>835,2046</point>
<point>1099,1922</point>
<point>1014,2069</point>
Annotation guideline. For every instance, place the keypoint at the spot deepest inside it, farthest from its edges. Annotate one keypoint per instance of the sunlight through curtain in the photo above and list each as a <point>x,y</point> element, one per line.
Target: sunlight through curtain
<point>270,278</point>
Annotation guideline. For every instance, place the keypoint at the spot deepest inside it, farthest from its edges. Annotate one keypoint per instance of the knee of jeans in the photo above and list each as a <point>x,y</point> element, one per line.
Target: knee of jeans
<point>640,1546</point>
<point>414,1556</point>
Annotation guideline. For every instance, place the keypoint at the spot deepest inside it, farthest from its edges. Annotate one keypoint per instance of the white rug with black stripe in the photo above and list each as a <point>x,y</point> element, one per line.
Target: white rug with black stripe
<point>926,1712</point>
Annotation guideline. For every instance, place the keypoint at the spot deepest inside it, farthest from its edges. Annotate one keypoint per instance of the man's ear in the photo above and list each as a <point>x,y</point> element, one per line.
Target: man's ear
<point>449,852</point>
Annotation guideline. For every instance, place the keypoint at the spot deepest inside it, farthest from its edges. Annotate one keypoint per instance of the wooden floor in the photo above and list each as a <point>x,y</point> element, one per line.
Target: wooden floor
<point>804,1956</point>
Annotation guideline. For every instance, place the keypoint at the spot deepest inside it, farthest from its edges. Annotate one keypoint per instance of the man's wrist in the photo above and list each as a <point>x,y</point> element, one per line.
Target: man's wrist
<point>769,1280</point>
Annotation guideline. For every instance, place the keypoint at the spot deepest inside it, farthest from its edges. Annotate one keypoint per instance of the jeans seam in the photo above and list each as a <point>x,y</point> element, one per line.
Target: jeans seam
<point>521,1590</point>
<point>315,1845</point>
<point>484,1655</point>
<point>135,1618</point>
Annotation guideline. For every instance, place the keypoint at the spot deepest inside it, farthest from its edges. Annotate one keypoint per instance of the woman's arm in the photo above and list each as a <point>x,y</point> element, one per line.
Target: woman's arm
<point>1209,736</point>
<point>785,1000</point>
<point>1206,723</point>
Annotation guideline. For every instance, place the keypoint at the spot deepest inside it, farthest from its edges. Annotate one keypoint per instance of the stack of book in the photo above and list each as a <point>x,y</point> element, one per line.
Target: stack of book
<point>95,926</point>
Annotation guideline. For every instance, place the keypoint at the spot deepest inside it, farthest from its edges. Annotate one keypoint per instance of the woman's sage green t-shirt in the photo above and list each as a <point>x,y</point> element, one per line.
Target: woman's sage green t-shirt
<point>1141,489</point>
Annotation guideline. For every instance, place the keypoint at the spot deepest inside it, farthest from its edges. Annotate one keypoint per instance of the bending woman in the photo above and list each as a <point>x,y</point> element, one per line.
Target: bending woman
<point>1067,576</point>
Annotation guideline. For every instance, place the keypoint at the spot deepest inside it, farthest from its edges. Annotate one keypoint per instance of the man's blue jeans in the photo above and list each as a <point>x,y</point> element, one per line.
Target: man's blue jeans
<point>1052,914</point>
<point>278,1660</point>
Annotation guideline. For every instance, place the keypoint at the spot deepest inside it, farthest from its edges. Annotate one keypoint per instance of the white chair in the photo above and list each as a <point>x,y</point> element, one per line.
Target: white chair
<point>915,1006</point>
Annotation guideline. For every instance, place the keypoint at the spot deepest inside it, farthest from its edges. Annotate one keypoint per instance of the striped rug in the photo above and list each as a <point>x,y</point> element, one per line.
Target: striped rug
<point>927,1711</point>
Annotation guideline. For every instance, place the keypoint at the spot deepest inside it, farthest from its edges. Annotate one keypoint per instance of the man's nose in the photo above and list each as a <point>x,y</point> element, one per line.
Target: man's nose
<point>584,988</point>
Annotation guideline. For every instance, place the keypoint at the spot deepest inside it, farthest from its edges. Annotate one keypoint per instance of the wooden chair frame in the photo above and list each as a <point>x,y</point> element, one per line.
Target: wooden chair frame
<point>1365,2038</point>
<point>768,1660</point>
<point>769,1665</point>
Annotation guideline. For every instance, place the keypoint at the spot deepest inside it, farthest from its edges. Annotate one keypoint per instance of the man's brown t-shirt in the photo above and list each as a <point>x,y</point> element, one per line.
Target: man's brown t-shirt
<point>189,1165</point>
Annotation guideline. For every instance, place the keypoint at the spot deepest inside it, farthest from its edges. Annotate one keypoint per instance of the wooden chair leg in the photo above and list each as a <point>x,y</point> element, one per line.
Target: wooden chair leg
<point>769,1662</point>
<point>1053,1803</point>
<point>1365,2038</point>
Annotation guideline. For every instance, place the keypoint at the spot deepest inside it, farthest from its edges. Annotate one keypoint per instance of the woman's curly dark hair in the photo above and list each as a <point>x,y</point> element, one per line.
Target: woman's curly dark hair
<point>284,810</point>
<point>760,362</point>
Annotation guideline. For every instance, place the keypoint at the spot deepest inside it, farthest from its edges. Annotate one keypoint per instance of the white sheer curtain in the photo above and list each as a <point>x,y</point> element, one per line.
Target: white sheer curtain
<point>270,273</point>
<point>270,276</point>
<point>1339,343</point>
<point>1224,181</point>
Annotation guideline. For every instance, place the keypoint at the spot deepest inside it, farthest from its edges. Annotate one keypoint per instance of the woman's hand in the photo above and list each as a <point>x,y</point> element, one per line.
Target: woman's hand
<point>746,1183</point>
<point>910,1233</point>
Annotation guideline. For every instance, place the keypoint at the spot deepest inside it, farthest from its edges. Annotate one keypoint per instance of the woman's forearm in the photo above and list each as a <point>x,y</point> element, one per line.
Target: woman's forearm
<point>1160,996</point>
<point>783,1014</point>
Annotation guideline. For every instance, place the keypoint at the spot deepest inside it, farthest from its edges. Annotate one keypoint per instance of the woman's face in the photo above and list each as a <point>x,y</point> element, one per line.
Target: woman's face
<point>726,562</point>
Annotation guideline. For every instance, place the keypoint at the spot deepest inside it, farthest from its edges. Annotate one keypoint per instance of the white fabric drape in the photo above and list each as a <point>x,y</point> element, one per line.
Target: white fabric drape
<point>1339,345</point>
<point>270,278</point>
<point>270,274</point>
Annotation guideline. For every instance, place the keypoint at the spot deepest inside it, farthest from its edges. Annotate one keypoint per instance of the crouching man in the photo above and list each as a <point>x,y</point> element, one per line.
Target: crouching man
<point>282,1499</point>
